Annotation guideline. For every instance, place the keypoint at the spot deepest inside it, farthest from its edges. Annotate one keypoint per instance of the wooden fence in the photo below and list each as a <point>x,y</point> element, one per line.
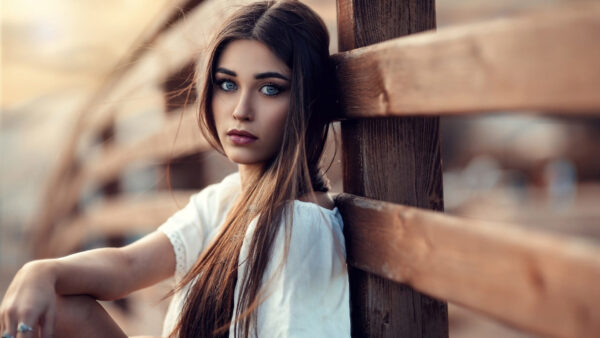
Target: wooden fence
<point>396,76</point>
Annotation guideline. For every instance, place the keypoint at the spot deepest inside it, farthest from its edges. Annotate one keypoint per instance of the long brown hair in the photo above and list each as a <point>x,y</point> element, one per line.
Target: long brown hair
<point>296,35</point>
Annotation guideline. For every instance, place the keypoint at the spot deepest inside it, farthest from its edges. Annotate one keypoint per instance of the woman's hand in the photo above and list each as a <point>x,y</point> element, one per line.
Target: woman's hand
<point>30,300</point>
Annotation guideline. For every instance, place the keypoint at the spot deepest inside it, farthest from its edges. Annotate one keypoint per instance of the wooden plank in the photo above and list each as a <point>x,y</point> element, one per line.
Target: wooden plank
<point>529,279</point>
<point>542,61</point>
<point>180,136</point>
<point>124,215</point>
<point>390,159</point>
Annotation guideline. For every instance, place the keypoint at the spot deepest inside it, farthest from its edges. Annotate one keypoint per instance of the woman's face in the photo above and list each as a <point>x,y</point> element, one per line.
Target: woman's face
<point>250,101</point>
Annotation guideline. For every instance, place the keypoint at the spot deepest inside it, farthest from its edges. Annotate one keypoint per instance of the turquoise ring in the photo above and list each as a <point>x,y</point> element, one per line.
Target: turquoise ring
<point>24,328</point>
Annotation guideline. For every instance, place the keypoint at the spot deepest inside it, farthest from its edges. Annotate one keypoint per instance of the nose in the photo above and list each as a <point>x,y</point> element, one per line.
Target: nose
<point>243,109</point>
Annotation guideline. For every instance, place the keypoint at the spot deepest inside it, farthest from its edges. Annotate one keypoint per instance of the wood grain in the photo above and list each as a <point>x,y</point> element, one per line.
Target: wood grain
<point>545,61</point>
<point>536,281</point>
<point>390,159</point>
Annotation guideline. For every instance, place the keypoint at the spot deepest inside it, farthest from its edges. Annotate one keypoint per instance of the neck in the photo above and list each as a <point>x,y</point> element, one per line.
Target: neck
<point>247,171</point>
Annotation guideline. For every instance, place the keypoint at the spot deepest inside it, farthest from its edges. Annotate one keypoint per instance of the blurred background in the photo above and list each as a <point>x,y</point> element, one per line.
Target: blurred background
<point>92,113</point>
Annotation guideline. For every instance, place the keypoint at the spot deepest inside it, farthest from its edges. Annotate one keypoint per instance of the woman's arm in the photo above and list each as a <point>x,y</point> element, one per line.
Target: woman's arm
<point>111,273</point>
<point>108,273</point>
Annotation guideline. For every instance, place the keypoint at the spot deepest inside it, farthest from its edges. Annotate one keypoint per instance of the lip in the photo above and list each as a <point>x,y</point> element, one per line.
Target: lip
<point>241,137</point>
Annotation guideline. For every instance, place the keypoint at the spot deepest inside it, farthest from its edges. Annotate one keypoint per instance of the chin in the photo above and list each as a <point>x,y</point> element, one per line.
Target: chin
<point>244,159</point>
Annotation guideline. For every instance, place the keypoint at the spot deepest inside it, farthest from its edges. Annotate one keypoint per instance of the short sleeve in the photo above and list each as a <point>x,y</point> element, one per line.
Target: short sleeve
<point>308,296</point>
<point>190,229</point>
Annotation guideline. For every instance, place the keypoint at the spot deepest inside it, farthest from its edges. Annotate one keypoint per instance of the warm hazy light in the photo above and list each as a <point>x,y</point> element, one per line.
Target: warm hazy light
<point>54,45</point>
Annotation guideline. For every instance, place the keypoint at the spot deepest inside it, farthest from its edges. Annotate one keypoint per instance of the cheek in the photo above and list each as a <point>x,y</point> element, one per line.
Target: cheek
<point>220,109</point>
<point>279,118</point>
<point>276,124</point>
<point>278,112</point>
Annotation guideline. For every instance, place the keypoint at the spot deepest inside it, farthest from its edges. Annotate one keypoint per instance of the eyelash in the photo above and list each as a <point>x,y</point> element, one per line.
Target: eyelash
<point>279,88</point>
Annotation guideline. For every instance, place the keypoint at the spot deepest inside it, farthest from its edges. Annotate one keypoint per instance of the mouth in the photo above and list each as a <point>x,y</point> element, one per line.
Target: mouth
<point>241,137</point>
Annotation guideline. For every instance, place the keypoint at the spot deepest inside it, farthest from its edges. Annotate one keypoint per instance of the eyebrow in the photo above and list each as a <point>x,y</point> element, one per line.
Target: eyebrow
<point>258,76</point>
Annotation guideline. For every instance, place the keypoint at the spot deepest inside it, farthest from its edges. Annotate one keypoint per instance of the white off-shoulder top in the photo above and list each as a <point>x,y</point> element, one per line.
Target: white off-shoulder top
<point>306,296</point>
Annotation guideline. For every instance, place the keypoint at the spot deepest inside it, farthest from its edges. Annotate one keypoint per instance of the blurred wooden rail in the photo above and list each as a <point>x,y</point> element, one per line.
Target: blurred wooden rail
<point>156,147</point>
<point>121,216</point>
<point>544,62</point>
<point>183,43</point>
<point>161,53</point>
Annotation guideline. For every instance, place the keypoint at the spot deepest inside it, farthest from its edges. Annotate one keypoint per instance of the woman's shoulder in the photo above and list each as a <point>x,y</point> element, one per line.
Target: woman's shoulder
<point>311,219</point>
<point>207,207</point>
<point>319,198</point>
<point>313,236</point>
<point>310,209</point>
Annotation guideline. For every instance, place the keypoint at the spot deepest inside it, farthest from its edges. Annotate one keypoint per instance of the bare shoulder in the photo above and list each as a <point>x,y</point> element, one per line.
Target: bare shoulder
<point>321,199</point>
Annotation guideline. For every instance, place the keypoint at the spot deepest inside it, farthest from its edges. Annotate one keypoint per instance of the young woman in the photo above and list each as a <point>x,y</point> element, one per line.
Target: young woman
<point>260,253</point>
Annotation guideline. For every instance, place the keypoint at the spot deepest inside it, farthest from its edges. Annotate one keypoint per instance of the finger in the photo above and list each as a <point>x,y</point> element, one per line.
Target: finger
<point>9,323</point>
<point>25,330</point>
<point>26,324</point>
<point>48,323</point>
<point>9,331</point>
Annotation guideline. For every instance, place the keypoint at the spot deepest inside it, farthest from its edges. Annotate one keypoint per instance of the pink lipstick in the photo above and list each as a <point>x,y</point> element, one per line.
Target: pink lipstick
<point>241,137</point>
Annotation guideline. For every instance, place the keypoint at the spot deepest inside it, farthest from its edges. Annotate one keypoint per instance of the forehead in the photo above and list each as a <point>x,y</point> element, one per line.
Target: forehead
<point>250,57</point>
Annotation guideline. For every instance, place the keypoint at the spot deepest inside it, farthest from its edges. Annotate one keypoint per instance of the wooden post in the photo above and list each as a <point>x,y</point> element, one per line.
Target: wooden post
<point>392,159</point>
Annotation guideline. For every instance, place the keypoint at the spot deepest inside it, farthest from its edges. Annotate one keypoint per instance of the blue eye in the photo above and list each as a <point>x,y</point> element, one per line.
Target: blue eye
<point>270,90</point>
<point>227,85</point>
